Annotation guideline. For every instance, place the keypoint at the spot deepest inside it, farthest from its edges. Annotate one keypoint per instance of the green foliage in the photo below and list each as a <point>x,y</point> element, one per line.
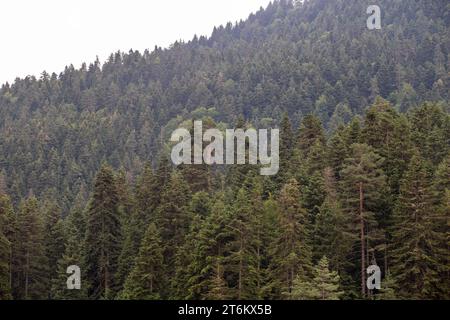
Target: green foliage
<point>324,285</point>
<point>291,252</point>
<point>359,182</point>
<point>31,281</point>
<point>6,246</point>
<point>103,236</point>
<point>146,279</point>
<point>418,236</point>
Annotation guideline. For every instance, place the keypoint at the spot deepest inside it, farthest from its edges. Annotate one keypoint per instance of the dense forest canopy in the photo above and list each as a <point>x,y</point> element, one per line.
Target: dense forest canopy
<point>316,58</point>
<point>85,177</point>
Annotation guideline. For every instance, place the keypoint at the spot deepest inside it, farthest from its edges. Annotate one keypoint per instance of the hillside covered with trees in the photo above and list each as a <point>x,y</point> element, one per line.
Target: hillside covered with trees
<point>86,178</point>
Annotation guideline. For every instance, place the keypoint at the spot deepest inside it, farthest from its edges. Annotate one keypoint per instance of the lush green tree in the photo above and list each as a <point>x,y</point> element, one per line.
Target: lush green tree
<point>173,221</point>
<point>243,260</point>
<point>286,149</point>
<point>362,187</point>
<point>146,280</point>
<point>74,226</point>
<point>7,234</point>
<point>323,286</point>
<point>32,264</point>
<point>430,131</point>
<point>416,255</point>
<point>387,291</point>
<point>103,236</point>
<point>310,131</point>
<point>291,252</point>
<point>206,268</point>
<point>54,240</point>
<point>389,134</point>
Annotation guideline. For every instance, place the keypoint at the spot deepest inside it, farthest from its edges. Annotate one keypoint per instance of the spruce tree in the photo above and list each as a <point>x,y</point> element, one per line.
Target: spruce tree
<point>389,134</point>
<point>430,126</point>
<point>291,252</point>
<point>362,187</point>
<point>32,263</point>
<point>5,265</point>
<point>332,235</point>
<point>173,221</point>
<point>187,257</point>
<point>337,150</point>
<point>286,150</point>
<point>441,197</point>
<point>310,131</point>
<point>54,239</point>
<point>146,280</point>
<point>323,286</point>
<point>103,236</point>
<point>6,246</point>
<point>388,288</point>
<point>243,255</point>
<point>416,253</point>
<point>326,282</point>
<point>131,229</point>
<point>74,226</point>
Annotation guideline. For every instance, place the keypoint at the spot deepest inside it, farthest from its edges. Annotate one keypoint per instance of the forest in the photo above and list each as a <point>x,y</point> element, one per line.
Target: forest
<point>364,116</point>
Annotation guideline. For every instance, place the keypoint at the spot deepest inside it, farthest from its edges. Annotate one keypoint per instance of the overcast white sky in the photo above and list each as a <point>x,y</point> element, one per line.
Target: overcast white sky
<point>39,35</point>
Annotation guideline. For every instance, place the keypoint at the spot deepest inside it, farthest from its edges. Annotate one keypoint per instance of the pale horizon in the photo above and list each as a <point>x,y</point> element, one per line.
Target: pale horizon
<point>49,35</point>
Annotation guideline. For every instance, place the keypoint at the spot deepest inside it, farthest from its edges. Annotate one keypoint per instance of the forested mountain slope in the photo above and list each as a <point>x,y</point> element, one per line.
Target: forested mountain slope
<point>364,164</point>
<point>317,57</point>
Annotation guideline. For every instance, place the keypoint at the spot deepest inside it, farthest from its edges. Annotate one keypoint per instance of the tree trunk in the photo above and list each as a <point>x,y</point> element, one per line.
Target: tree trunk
<point>240,269</point>
<point>27,268</point>
<point>10,267</point>
<point>363,258</point>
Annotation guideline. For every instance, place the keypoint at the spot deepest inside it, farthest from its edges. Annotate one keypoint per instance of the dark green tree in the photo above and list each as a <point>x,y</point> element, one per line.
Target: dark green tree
<point>362,187</point>
<point>32,264</point>
<point>416,255</point>
<point>146,280</point>
<point>291,252</point>
<point>103,236</point>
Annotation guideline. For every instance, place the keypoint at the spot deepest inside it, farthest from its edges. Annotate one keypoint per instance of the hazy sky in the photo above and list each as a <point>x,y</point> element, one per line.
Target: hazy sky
<point>50,34</point>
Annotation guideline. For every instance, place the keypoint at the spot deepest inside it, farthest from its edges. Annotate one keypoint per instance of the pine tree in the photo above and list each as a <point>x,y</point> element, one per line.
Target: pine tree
<point>199,248</point>
<point>198,175</point>
<point>146,280</point>
<point>362,186</point>
<point>332,234</point>
<point>416,254</point>
<point>5,265</point>
<point>291,252</point>
<point>286,150</point>
<point>310,131</point>
<point>161,179</point>
<point>389,134</point>
<point>148,193</point>
<point>173,220</point>
<point>324,285</point>
<point>32,278</point>
<point>337,150</point>
<point>326,281</point>
<point>208,242</point>
<point>302,289</point>
<point>131,228</point>
<point>237,174</point>
<point>103,236</point>
<point>387,291</point>
<point>6,246</point>
<point>187,264</point>
<point>430,132</point>
<point>441,197</point>
<point>54,239</point>
<point>243,259</point>
<point>73,256</point>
